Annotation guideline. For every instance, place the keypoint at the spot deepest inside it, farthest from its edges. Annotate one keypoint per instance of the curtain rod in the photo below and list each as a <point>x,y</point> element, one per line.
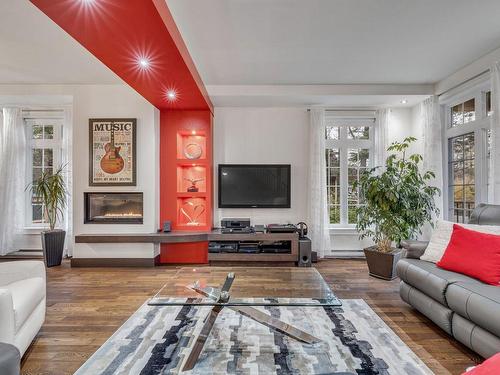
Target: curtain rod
<point>466,81</point>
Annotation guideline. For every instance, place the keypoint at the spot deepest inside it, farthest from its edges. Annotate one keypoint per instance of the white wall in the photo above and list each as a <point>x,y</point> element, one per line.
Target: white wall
<point>264,135</point>
<point>111,101</point>
<point>280,135</point>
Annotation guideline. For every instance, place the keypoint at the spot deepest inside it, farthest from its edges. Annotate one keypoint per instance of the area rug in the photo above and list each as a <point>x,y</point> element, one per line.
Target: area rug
<point>354,340</point>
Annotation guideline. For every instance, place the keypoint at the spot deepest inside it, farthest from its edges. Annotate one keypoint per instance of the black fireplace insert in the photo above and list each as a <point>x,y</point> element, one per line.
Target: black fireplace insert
<point>113,208</point>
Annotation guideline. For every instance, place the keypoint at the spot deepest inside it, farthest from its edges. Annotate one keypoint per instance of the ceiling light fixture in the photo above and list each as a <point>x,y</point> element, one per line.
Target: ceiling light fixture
<point>144,63</point>
<point>171,95</point>
<point>404,101</point>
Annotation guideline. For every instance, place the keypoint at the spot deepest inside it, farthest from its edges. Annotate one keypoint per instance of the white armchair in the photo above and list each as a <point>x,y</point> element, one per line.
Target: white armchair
<point>22,302</point>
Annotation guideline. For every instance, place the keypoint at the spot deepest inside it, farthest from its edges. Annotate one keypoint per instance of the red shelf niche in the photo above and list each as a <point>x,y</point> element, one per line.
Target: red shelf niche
<point>185,173</point>
<point>192,212</point>
<point>190,143</point>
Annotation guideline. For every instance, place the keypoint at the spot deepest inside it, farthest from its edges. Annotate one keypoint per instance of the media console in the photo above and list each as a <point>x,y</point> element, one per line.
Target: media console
<point>183,237</point>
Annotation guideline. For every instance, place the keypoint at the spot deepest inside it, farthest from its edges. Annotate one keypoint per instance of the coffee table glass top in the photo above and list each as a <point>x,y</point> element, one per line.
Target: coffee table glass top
<point>252,286</point>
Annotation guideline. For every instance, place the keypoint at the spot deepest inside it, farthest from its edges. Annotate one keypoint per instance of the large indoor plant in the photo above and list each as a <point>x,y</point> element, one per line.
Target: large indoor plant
<point>49,189</point>
<point>396,202</point>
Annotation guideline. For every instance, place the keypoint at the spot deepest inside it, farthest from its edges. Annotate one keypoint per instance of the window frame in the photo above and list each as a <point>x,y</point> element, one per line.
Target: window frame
<point>479,127</point>
<point>343,144</point>
<point>56,144</point>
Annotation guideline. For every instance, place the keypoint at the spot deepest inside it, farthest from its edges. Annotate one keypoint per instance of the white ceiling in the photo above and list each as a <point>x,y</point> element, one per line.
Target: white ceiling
<point>280,42</point>
<point>33,49</point>
<point>269,42</point>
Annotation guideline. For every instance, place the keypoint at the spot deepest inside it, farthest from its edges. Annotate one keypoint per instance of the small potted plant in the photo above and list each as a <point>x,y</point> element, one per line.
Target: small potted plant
<point>396,203</point>
<point>50,190</point>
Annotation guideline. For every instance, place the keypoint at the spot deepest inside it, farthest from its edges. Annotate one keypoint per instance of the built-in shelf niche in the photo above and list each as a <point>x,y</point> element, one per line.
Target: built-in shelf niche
<point>191,145</point>
<point>191,178</point>
<point>192,211</point>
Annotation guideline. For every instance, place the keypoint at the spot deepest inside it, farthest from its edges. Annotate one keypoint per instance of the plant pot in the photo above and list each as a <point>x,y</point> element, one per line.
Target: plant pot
<point>382,265</point>
<point>53,247</point>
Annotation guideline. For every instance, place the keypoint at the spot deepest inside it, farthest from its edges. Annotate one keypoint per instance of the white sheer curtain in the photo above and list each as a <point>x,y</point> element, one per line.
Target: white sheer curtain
<point>433,143</point>
<point>318,206</point>
<point>12,178</point>
<point>382,122</point>
<point>494,190</point>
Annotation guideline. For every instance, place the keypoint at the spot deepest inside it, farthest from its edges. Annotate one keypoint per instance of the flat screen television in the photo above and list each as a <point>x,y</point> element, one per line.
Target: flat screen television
<point>254,185</point>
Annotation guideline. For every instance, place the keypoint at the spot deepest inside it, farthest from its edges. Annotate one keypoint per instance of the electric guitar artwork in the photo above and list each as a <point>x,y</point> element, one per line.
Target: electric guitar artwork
<point>112,162</point>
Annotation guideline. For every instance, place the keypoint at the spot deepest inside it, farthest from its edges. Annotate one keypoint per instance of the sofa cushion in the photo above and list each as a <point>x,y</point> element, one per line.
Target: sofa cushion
<point>441,237</point>
<point>26,295</point>
<point>478,302</point>
<point>428,278</point>
<point>473,254</point>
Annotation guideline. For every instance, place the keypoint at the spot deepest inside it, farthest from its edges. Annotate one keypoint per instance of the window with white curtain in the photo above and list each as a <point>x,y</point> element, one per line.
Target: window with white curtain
<point>467,116</point>
<point>44,154</point>
<point>349,152</point>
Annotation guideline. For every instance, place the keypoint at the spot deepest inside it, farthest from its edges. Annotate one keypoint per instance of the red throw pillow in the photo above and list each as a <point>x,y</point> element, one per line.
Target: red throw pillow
<point>489,367</point>
<point>473,254</point>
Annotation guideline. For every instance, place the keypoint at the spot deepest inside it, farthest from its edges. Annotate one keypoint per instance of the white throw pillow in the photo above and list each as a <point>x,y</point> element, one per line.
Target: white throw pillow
<point>442,234</point>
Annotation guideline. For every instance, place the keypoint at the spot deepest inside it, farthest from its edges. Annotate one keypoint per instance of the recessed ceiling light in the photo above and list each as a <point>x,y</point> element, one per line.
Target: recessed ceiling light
<point>171,95</point>
<point>404,101</point>
<point>143,63</point>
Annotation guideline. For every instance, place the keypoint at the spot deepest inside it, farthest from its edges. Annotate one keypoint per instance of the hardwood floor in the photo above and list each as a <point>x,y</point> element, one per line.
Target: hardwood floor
<point>86,305</point>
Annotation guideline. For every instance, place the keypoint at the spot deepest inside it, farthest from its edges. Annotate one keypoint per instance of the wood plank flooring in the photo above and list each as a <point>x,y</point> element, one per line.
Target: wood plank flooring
<point>86,305</point>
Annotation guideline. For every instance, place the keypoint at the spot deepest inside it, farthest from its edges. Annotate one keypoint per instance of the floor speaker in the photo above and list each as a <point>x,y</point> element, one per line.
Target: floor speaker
<point>304,252</point>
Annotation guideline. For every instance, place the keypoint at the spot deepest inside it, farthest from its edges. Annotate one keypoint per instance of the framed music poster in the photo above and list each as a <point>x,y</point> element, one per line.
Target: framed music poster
<point>112,152</point>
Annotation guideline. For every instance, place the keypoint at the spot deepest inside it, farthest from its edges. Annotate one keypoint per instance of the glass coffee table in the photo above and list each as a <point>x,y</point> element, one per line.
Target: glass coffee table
<point>243,290</point>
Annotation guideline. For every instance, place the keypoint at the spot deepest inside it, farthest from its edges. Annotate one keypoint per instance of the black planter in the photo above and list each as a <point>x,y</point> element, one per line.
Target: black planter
<point>53,247</point>
<point>382,265</point>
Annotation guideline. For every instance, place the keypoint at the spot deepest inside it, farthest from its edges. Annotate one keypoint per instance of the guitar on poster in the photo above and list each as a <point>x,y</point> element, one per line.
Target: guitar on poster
<point>112,162</point>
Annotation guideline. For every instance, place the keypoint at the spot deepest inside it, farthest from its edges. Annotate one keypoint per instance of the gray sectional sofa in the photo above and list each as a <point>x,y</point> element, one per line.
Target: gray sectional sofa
<point>465,308</point>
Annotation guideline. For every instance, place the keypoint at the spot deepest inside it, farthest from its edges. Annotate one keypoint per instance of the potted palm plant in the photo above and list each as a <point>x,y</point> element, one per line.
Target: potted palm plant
<point>50,190</point>
<point>397,202</point>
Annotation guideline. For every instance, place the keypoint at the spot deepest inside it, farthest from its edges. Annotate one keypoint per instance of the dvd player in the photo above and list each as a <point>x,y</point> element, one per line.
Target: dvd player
<point>281,228</point>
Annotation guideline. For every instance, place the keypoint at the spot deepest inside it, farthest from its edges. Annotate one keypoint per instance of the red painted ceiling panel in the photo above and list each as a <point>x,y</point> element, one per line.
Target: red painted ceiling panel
<point>122,32</point>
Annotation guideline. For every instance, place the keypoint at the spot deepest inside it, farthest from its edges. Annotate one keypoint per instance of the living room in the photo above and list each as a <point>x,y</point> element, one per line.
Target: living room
<point>261,187</point>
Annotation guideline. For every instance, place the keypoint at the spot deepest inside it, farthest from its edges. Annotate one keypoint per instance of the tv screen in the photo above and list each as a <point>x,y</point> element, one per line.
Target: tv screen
<point>254,185</point>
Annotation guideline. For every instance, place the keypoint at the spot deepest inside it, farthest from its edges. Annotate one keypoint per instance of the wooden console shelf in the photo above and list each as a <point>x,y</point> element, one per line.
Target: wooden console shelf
<point>259,257</point>
<point>188,237</point>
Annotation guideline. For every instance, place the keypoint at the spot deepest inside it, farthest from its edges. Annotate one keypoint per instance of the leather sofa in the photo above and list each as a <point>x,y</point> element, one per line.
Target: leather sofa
<point>22,302</point>
<point>465,308</point>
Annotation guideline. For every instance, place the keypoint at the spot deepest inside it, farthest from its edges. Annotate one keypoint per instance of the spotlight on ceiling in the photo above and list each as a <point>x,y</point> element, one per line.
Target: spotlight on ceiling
<point>404,101</point>
<point>143,63</point>
<point>171,95</point>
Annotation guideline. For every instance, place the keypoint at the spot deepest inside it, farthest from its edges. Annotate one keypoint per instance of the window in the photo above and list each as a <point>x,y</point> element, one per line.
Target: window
<point>44,155</point>
<point>489,110</point>
<point>348,155</point>
<point>461,179</point>
<point>463,113</point>
<point>466,145</point>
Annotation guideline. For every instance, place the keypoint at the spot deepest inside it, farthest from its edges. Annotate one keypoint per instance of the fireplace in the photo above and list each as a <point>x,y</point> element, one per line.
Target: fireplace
<point>113,208</point>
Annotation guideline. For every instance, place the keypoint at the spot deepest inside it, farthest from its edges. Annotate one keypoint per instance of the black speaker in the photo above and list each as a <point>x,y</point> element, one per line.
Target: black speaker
<point>304,252</point>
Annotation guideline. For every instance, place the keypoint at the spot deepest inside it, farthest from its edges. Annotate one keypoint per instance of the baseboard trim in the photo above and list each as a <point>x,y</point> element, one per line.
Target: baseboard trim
<point>115,262</point>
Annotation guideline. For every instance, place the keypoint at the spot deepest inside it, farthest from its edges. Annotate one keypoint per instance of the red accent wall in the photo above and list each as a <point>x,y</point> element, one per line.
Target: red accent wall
<point>188,211</point>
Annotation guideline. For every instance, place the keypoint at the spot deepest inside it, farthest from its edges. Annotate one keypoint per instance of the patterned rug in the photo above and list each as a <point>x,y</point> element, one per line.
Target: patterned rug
<point>354,340</point>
